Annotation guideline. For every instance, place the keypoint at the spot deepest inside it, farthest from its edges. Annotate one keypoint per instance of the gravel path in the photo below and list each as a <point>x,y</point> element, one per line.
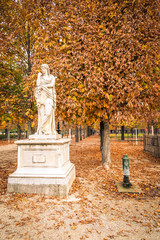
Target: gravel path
<point>94,209</point>
<point>8,147</point>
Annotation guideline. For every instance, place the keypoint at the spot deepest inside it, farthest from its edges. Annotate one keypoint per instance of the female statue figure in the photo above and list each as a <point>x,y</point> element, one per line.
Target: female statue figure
<point>45,95</point>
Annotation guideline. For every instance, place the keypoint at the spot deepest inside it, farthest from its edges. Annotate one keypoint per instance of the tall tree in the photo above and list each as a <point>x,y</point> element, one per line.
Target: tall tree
<point>20,20</point>
<point>106,54</point>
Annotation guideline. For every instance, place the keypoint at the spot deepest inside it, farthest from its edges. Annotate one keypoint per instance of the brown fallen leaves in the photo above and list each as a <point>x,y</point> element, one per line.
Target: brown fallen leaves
<point>144,168</point>
<point>94,209</point>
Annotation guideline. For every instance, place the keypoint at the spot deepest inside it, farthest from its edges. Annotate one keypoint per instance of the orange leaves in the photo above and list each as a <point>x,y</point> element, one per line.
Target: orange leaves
<point>98,48</point>
<point>109,97</point>
<point>101,26</point>
<point>74,227</point>
<point>87,221</point>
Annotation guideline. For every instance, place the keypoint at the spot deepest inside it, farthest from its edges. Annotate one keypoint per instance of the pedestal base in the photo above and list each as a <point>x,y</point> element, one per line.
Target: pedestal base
<point>43,167</point>
<point>45,137</point>
<point>131,189</point>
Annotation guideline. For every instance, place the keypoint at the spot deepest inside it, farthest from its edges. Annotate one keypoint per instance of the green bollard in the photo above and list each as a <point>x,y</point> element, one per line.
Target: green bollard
<point>126,182</point>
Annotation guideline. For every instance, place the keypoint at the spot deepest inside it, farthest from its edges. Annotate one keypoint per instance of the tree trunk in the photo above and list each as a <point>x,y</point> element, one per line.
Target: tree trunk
<point>19,131</point>
<point>29,130</point>
<point>132,132</point>
<point>71,132</point>
<point>91,131</point>
<point>87,131</point>
<point>148,128</point>
<point>76,134</point>
<point>6,133</point>
<point>84,132</point>
<point>101,134</point>
<point>155,130</point>
<point>58,128</point>
<point>116,132</point>
<point>80,133</point>
<point>105,141</point>
<point>29,50</point>
<point>136,135</point>
<point>122,133</point>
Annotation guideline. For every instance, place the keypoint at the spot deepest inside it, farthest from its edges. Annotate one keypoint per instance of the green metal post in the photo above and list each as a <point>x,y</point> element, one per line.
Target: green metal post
<point>126,173</point>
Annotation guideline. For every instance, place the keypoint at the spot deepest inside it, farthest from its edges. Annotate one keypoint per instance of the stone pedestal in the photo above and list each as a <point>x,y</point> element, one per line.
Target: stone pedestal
<point>43,167</point>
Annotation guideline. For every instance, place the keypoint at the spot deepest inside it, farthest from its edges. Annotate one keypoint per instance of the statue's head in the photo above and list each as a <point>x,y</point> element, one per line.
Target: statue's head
<point>45,67</point>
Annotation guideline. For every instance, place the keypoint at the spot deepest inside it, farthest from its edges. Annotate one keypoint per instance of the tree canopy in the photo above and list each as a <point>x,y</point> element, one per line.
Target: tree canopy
<point>105,55</point>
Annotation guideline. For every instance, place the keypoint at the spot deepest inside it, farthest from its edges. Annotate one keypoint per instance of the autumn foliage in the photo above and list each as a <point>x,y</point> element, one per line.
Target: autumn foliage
<point>105,55</point>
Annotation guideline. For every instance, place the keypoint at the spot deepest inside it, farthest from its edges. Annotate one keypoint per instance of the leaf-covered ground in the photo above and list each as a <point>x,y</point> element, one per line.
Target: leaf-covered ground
<point>94,209</point>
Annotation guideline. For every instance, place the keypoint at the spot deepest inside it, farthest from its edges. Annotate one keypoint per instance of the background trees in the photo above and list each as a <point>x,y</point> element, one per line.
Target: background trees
<point>20,19</point>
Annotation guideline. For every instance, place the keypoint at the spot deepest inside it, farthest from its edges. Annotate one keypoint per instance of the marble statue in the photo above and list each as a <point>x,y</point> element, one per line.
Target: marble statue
<point>44,165</point>
<point>45,95</point>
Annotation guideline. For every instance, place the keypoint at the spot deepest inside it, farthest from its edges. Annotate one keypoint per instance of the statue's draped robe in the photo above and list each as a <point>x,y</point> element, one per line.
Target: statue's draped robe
<point>46,102</point>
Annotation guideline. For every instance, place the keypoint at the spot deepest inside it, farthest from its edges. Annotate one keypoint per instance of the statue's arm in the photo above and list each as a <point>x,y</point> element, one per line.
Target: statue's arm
<point>52,84</point>
<point>54,90</point>
<point>38,83</point>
